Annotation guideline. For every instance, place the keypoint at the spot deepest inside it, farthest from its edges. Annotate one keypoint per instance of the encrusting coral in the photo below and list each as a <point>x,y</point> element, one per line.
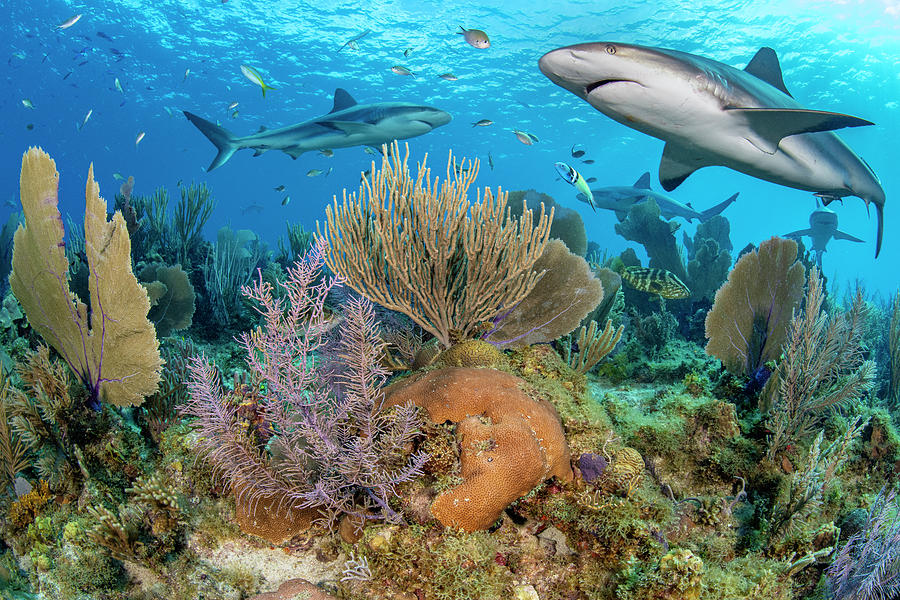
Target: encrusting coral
<point>510,440</point>
<point>419,246</point>
<point>113,349</point>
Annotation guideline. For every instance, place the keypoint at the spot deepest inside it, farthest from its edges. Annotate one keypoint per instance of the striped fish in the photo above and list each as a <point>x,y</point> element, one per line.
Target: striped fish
<point>656,281</point>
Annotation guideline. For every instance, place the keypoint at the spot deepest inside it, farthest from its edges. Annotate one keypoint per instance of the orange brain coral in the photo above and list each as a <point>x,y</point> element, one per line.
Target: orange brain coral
<point>509,441</point>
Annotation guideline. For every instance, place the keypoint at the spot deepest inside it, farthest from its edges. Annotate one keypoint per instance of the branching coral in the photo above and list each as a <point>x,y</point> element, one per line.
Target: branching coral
<point>331,447</point>
<point>590,345</point>
<point>421,247</point>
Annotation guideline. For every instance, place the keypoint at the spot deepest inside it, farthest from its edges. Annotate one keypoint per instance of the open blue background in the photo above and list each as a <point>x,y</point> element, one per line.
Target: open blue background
<point>838,56</point>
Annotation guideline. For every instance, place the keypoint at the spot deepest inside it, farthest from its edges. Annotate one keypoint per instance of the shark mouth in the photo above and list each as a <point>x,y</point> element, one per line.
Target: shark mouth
<point>598,84</point>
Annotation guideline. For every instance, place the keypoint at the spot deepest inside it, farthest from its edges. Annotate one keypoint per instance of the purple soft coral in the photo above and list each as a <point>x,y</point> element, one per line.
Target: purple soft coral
<point>336,449</point>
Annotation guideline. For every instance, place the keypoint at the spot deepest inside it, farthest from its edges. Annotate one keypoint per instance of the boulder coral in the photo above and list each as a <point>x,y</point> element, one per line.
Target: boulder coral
<point>510,440</point>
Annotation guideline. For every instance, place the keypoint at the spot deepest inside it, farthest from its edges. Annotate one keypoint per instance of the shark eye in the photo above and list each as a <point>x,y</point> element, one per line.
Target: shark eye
<point>610,49</point>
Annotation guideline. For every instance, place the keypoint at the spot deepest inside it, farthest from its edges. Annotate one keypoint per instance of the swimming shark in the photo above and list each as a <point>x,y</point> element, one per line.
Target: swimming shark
<point>620,199</point>
<point>347,124</point>
<point>823,226</point>
<point>710,113</point>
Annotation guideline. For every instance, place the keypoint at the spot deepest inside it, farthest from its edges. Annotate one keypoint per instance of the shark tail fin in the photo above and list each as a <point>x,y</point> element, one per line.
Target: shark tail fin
<point>223,140</point>
<point>709,213</point>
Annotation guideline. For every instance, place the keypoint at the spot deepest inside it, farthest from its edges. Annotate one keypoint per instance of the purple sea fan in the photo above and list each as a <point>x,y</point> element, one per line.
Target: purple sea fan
<point>332,447</point>
<point>867,567</point>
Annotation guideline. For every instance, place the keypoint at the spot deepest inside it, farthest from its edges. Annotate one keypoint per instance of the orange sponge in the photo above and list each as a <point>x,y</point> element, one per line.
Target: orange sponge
<point>510,441</point>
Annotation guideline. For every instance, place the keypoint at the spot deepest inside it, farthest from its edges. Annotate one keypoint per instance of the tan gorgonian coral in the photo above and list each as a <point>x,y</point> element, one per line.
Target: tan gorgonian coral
<point>749,320</point>
<point>417,245</point>
<point>113,349</point>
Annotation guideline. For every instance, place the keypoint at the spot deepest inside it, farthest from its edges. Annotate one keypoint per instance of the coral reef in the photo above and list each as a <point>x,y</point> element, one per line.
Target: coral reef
<point>567,225</point>
<point>644,226</point>
<point>171,297</point>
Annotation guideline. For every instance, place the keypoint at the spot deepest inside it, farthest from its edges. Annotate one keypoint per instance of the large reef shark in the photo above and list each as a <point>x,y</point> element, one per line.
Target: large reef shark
<point>823,226</point>
<point>620,199</point>
<point>709,113</point>
<point>348,124</point>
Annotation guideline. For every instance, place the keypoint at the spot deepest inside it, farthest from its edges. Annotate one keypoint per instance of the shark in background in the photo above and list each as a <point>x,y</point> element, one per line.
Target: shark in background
<point>710,113</point>
<point>823,227</point>
<point>347,124</point>
<point>620,199</point>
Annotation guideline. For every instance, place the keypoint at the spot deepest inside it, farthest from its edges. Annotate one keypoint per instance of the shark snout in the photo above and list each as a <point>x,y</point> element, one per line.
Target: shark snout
<point>436,118</point>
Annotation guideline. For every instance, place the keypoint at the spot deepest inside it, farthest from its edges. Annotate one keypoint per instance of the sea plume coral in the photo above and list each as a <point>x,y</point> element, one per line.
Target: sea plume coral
<point>867,567</point>
<point>331,447</point>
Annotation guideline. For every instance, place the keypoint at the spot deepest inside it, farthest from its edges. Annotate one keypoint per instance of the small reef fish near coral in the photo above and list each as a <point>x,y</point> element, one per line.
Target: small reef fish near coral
<point>429,366</point>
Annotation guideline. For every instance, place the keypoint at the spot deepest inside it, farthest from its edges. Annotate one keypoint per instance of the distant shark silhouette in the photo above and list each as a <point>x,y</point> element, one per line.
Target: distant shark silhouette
<point>710,113</point>
<point>348,124</point>
<point>620,199</point>
<point>823,226</point>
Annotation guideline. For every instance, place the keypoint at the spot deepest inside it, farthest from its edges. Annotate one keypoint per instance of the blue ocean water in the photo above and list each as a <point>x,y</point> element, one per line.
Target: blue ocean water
<point>170,56</point>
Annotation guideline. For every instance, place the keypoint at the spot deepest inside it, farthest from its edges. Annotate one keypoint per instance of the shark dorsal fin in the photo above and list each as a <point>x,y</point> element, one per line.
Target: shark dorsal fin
<point>643,182</point>
<point>764,65</point>
<point>342,100</point>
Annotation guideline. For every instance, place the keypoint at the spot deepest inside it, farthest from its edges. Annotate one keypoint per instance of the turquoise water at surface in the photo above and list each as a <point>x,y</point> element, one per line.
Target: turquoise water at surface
<point>836,56</point>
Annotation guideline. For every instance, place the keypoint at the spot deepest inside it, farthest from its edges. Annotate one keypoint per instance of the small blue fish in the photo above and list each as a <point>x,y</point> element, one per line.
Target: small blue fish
<point>574,178</point>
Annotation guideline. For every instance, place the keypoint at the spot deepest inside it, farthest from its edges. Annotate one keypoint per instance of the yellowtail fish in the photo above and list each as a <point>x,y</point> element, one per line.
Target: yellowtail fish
<point>186,73</point>
<point>118,176</point>
<point>573,177</point>
<point>233,105</point>
<point>656,281</point>
<point>400,70</point>
<point>406,52</point>
<point>526,138</point>
<point>27,103</point>
<point>69,22</point>
<point>313,172</point>
<point>234,115</point>
<point>491,161</point>
<point>475,37</point>
<point>138,139</point>
<point>86,117</point>
<point>448,76</point>
<point>326,152</point>
<point>280,188</point>
<point>119,85</point>
<point>577,153</point>
<point>254,76</point>
<point>286,201</point>
<point>351,43</point>
<point>482,123</point>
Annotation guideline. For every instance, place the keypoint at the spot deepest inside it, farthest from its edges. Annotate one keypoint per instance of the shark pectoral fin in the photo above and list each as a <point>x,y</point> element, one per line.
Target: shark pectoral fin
<point>643,182</point>
<point>769,125</point>
<point>677,164</point>
<point>764,65</point>
<point>798,234</point>
<point>840,235</point>
<point>348,127</point>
